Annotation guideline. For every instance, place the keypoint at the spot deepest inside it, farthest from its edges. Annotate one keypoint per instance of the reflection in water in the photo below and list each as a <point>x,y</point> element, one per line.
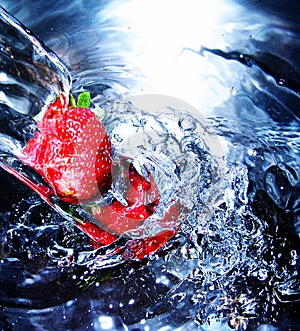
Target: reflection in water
<point>234,266</point>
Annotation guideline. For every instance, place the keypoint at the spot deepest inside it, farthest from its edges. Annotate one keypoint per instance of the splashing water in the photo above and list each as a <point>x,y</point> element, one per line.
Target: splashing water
<point>233,263</point>
<point>166,217</point>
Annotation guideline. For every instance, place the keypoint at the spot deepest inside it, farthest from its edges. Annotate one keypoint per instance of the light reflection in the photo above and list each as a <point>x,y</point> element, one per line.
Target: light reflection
<point>167,55</point>
<point>106,322</point>
<point>163,36</point>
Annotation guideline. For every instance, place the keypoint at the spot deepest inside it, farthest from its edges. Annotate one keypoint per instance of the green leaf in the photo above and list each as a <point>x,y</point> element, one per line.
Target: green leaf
<point>84,100</point>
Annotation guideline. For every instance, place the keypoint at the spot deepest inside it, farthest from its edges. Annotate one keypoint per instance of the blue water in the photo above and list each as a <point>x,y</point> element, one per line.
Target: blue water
<point>234,263</point>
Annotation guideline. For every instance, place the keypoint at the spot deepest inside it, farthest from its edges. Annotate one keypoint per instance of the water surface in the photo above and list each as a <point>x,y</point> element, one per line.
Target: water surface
<point>234,263</point>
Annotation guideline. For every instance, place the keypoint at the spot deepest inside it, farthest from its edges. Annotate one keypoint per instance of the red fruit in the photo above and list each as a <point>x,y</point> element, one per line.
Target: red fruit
<point>138,181</point>
<point>140,248</point>
<point>142,198</point>
<point>71,151</point>
<point>99,236</point>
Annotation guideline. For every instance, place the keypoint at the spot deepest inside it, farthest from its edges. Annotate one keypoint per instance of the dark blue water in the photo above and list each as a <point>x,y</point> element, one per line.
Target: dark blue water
<point>234,264</point>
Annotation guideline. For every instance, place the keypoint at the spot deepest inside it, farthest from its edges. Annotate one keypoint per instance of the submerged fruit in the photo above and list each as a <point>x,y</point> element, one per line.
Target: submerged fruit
<point>141,199</point>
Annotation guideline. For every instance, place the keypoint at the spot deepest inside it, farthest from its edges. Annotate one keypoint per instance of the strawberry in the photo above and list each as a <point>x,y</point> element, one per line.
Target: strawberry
<point>142,198</point>
<point>117,218</point>
<point>71,151</point>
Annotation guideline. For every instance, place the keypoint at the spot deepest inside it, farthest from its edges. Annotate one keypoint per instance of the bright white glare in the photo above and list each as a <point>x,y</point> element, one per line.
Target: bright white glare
<point>106,322</point>
<point>161,31</point>
<point>3,77</point>
<point>131,302</point>
<point>170,25</point>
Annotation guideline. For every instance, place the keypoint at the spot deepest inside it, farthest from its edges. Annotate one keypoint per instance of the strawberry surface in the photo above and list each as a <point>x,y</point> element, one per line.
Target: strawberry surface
<point>71,151</point>
<point>142,198</point>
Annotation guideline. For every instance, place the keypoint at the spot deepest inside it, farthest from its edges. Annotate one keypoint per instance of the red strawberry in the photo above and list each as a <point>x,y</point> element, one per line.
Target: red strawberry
<point>138,181</point>
<point>71,151</point>
<point>142,198</point>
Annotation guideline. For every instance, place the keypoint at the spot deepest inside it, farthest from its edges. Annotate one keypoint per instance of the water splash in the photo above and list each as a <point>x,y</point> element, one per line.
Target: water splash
<point>31,74</point>
<point>234,263</point>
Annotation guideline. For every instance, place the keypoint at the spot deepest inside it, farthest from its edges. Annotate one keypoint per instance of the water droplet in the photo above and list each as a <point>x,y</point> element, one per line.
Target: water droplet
<point>106,322</point>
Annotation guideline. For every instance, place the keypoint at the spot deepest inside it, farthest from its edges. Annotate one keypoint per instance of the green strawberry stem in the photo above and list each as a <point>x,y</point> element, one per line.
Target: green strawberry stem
<point>72,101</point>
<point>84,101</point>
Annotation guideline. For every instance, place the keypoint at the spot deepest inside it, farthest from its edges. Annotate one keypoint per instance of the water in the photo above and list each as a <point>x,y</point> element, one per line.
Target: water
<point>234,262</point>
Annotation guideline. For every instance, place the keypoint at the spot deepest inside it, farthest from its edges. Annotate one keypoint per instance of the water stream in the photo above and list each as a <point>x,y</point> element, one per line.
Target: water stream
<point>209,97</point>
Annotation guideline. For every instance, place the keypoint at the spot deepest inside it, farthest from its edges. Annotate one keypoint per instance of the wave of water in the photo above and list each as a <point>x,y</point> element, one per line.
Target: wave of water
<point>234,263</point>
